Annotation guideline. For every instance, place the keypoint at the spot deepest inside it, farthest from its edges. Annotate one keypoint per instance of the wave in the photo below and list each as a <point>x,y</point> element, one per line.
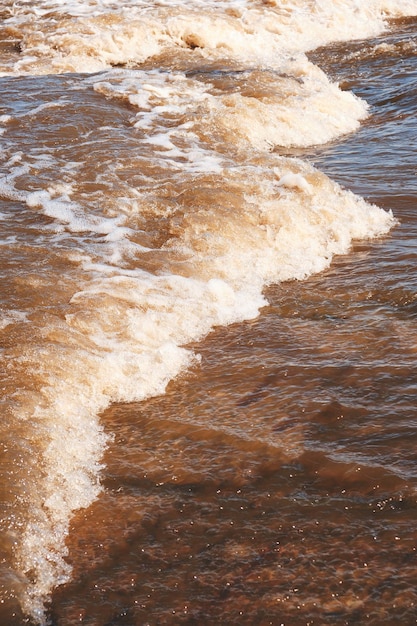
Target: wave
<point>151,261</point>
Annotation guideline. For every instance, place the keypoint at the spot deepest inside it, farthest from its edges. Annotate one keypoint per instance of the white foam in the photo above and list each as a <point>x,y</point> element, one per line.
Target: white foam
<point>302,108</point>
<point>294,181</point>
<point>11,317</point>
<point>102,34</point>
<point>159,95</point>
<point>307,110</point>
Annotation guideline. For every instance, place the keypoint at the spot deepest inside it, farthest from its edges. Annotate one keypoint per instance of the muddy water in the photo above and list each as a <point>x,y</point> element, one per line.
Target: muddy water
<point>275,483</point>
<point>208,346</point>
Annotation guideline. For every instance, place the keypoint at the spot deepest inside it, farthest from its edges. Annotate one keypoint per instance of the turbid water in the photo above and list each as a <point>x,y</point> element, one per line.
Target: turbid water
<point>208,313</point>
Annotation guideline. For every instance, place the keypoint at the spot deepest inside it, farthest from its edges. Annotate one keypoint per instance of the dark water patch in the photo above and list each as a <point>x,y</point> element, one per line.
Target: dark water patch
<point>383,72</point>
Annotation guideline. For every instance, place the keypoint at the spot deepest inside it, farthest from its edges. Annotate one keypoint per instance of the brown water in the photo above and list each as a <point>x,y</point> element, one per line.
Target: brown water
<point>276,482</point>
<point>271,479</point>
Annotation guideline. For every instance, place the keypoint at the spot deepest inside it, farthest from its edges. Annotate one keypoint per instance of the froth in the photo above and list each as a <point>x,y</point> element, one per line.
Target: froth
<point>297,106</point>
<point>289,224</point>
<point>100,35</point>
<point>11,317</point>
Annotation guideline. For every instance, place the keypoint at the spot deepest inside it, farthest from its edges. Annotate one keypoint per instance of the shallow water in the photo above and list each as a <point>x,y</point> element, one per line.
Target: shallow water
<point>265,473</point>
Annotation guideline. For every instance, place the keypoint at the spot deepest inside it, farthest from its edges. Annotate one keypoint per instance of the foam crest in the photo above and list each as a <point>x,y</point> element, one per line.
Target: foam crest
<point>100,35</point>
<point>312,111</point>
<point>296,106</point>
<point>292,222</point>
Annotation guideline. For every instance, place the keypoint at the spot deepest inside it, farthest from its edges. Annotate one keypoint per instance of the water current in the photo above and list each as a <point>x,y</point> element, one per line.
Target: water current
<point>208,313</point>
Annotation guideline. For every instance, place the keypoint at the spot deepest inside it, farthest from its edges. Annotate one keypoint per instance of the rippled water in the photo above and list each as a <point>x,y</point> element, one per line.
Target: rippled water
<point>206,422</point>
